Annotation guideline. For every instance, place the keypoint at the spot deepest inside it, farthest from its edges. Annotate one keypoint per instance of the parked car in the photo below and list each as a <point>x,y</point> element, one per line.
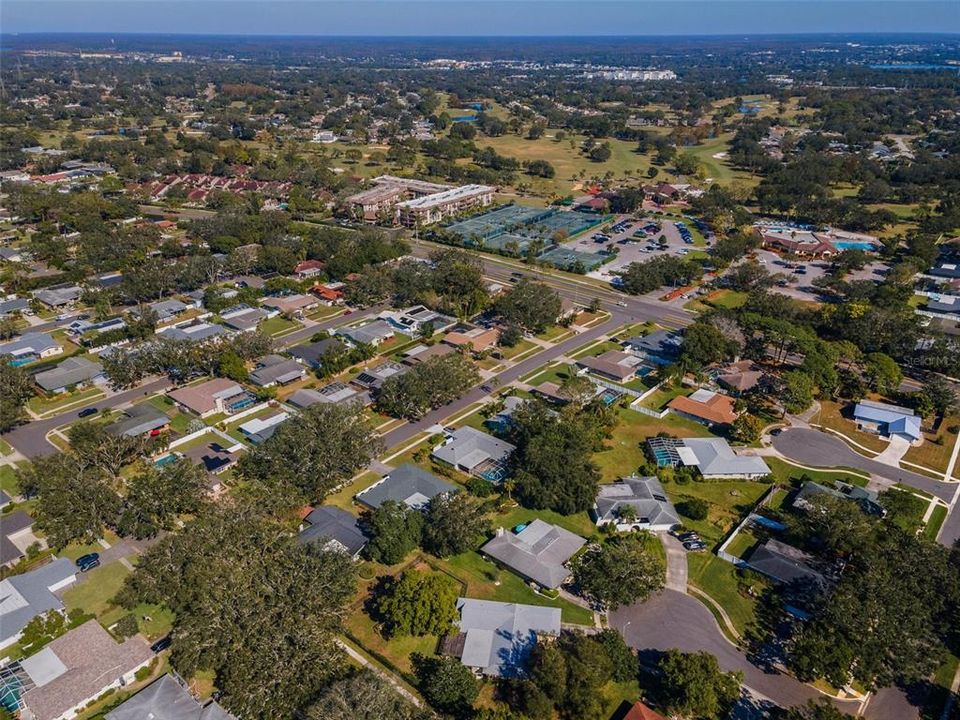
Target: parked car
<point>694,546</point>
<point>161,644</point>
<point>87,412</point>
<point>88,561</point>
<point>684,537</point>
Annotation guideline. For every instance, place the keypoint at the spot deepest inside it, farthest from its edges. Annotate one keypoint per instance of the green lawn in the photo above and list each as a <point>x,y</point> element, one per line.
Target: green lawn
<point>554,333</point>
<point>277,325</point>
<point>730,501</point>
<point>94,592</point>
<point>786,474</point>
<point>8,481</point>
<point>508,353</point>
<point>557,374</point>
<point>624,453</point>
<point>719,580</point>
<point>43,405</point>
<point>933,525</point>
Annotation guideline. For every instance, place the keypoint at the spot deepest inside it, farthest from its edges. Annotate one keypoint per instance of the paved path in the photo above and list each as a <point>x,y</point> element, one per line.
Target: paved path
<point>676,563</point>
<point>673,620</point>
<point>894,452</point>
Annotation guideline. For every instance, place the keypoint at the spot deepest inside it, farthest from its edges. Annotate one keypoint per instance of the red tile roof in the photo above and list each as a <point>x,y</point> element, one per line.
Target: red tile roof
<point>639,711</point>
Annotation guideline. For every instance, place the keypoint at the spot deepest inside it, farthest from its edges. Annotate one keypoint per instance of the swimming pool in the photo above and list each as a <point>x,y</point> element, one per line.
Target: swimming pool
<point>854,245</point>
<point>165,459</point>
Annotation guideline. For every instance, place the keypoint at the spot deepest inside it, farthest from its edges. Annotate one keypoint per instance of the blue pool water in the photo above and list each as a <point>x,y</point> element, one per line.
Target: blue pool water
<point>854,245</point>
<point>165,460</point>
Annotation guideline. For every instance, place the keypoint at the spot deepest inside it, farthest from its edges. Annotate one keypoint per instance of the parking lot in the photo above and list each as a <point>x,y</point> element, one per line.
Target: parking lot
<point>800,274</point>
<point>634,243</point>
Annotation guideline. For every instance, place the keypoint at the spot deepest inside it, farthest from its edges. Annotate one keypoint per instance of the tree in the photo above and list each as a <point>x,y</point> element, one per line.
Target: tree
<point>832,526</point>
<point>156,496</point>
<point>623,659</point>
<point>887,618</point>
<point>694,508</point>
<point>554,459</point>
<point>231,366</point>
<point>92,444</point>
<point>446,683</point>
<point>249,602</point>
<point>454,523</point>
<point>621,571</point>
<point>704,344</point>
<point>797,392</point>
<point>394,530</point>
<point>941,394</point>
<point>882,372</point>
<point>693,685</point>
<point>600,153</point>
<point>326,445</point>
<point>746,428</point>
<point>686,163</point>
<point>363,695</point>
<point>578,389</point>
<point>75,501</point>
<point>532,306</point>
<point>427,386</point>
<point>569,673</point>
<point>15,389</point>
<point>418,604</point>
<point>821,709</point>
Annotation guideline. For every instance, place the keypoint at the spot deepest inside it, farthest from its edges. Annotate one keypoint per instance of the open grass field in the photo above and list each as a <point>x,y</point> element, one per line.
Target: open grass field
<point>624,453</point>
<point>718,169</point>
<point>94,591</point>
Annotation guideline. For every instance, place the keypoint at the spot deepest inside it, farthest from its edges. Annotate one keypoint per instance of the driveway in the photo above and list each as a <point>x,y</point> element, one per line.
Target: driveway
<point>674,620</point>
<point>894,452</point>
<point>818,449</point>
<point>676,563</point>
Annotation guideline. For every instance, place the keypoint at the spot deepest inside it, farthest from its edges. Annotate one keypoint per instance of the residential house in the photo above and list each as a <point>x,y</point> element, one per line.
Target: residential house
<point>408,484</point>
<point>496,638</point>
<point>71,373</point>
<point>23,597</point>
<point>373,333</point>
<point>77,667</point>
<point>373,378</point>
<point>14,305</point>
<point>638,711</point>
<point>538,553</point>
<point>167,699</point>
<point>635,503</point>
<point>311,354</point>
<point>16,535</point>
<point>143,419</point>
<point>661,347</point>
<point>308,269</point>
<point>478,339</point>
<point>57,297</point>
<point>550,391</point>
<point>614,365</point>
<point>891,421</point>
<point>501,421</point>
<point>738,377</point>
<point>29,348</point>
<point>421,353</point>
<point>195,332</point>
<point>276,370</point>
<point>784,563</point>
<point>868,500</point>
<point>219,395</point>
<point>293,305</point>
<point>705,407</point>
<point>254,282</point>
<point>214,457</point>
<point>475,453</point>
<point>259,430</point>
<point>165,310</point>
<point>943,305</point>
<point>336,393</point>
<point>329,294</point>
<point>713,458</point>
<point>333,528</point>
<point>413,320</point>
<point>243,318</point>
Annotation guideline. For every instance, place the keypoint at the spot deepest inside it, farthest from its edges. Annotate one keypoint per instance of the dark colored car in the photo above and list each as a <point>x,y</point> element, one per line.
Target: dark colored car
<point>161,644</point>
<point>88,561</point>
<point>87,412</point>
<point>486,388</point>
<point>693,546</point>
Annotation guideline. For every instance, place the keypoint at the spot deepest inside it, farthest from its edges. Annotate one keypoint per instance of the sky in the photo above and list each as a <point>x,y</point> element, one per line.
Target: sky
<point>480,18</point>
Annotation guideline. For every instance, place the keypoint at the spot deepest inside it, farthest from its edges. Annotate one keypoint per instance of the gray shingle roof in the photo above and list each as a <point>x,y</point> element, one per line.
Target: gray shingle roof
<point>275,369</point>
<point>12,524</point>
<point>538,552</point>
<point>644,494</point>
<point>29,343</point>
<point>166,699</point>
<point>784,563</point>
<point>311,353</point>
<point>714,456</point>
<point>23,597</point>
<point>407,484</point>
<point>138,420</point>
<point>468,447</point>
<point>71,371</point>
<point>500,636</point>
<point>332,523</point>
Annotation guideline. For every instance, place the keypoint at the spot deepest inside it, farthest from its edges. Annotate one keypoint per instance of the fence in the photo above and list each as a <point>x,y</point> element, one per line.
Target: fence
<point>748,520</point>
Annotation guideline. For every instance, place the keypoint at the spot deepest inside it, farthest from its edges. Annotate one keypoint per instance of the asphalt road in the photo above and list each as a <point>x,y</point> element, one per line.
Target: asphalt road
<point>818,449</point>
<point>674,620</point>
